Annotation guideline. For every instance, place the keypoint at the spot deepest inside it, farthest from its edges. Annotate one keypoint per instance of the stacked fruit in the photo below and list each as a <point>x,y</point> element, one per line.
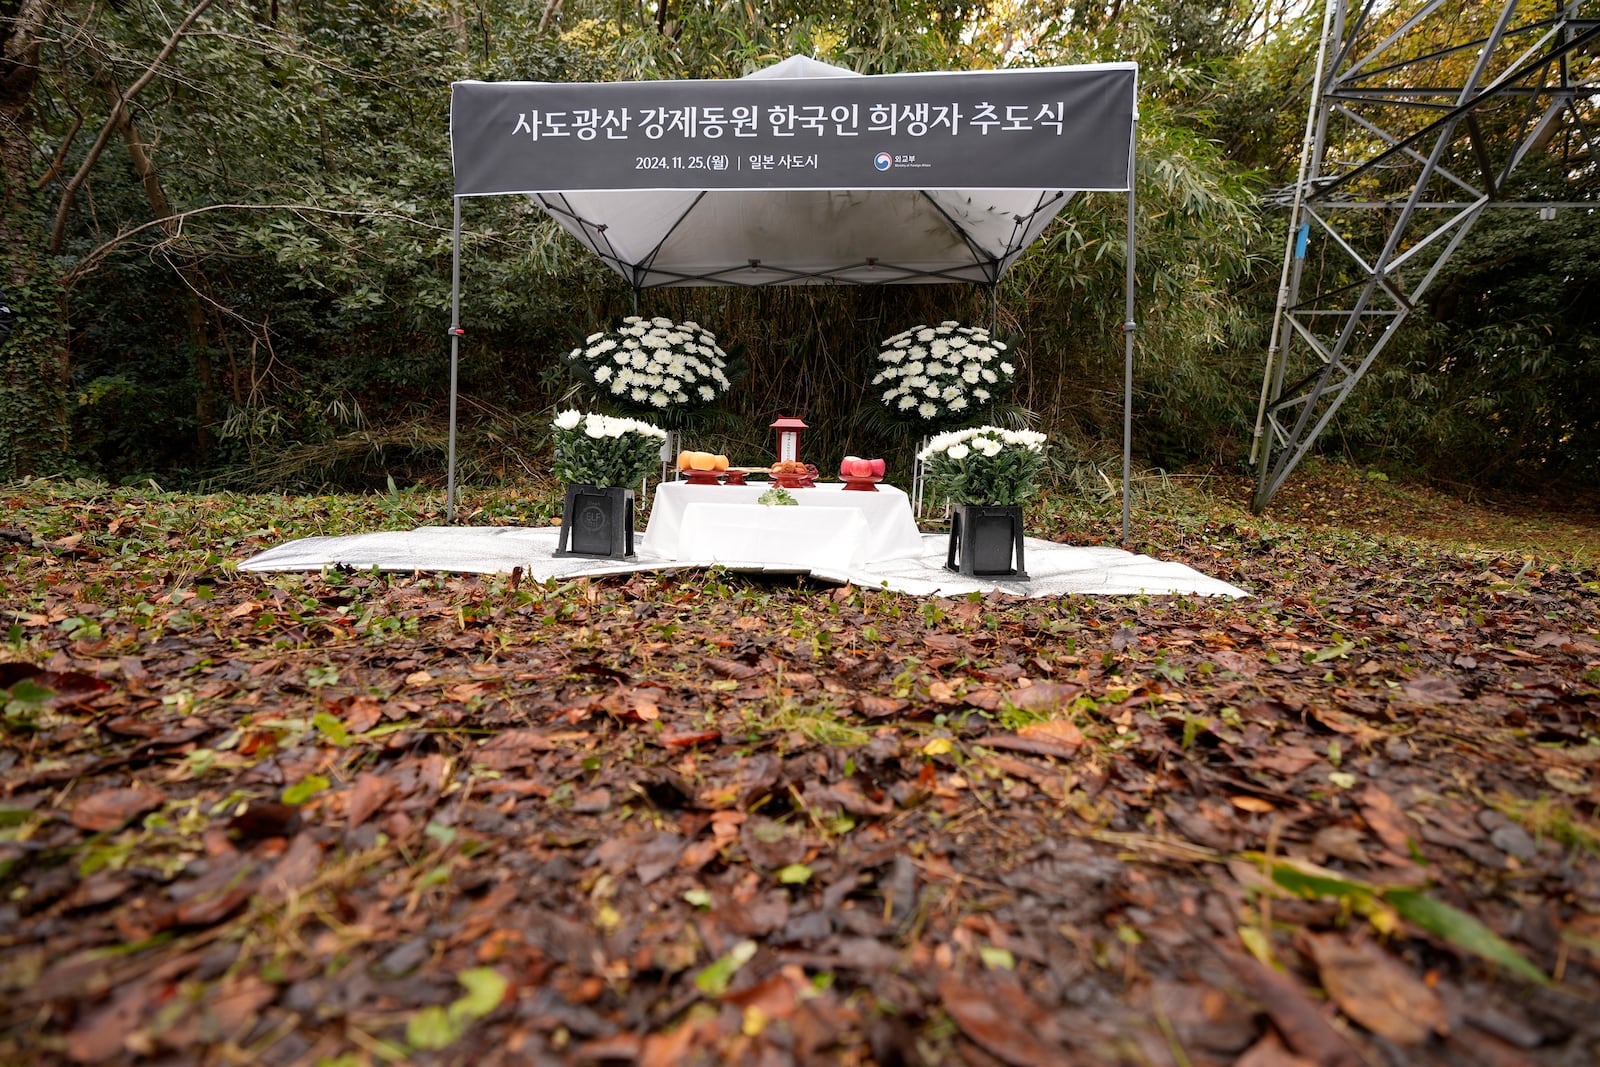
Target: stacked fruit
<point>856,467</point>
<point>701,461</point>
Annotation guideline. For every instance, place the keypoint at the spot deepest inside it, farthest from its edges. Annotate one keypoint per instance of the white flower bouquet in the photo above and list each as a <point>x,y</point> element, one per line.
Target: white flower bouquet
<point>984,465</point>
<point>654,365</point>
<point>942,375</point>
<point>603,450</point>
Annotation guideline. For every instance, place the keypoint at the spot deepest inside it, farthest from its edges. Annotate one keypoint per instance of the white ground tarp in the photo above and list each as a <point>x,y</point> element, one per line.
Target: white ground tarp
<point>1053,569</point>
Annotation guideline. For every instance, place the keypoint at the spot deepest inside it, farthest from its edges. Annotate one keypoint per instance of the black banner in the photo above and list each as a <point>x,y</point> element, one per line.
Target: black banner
<point>1057,128</point>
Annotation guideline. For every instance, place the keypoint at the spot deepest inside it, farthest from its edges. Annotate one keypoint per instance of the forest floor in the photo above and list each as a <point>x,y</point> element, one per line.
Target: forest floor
<point>701,818</point>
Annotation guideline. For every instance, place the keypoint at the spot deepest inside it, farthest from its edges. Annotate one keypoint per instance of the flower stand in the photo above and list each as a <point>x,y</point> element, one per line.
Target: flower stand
<point>983,541</point>
<point>669,455</point>
<point>596,521</point>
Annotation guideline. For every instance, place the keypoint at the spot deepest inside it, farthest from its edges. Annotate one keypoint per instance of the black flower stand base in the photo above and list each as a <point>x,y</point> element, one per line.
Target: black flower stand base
<point>596,522</point>
<point>983,541</point>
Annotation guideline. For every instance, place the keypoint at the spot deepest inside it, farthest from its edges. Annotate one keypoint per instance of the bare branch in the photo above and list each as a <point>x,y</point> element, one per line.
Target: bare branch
<point>172,226</point>
<point>551,8</point>
<point>113,122</point>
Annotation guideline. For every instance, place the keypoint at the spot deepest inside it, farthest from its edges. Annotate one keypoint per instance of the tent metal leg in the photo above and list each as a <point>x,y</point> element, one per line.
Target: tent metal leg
<point>1127,360</point>
<point>455,358</point>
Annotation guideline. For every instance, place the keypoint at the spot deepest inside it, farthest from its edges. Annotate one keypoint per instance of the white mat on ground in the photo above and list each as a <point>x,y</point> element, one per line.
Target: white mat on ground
<point>1053,569</point>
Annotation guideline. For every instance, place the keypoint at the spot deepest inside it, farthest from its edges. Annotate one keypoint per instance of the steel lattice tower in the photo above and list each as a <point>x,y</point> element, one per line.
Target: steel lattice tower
<point>1420,114</point>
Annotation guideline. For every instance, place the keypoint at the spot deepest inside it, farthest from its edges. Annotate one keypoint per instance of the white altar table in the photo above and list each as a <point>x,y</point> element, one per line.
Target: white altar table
<point>828,527</point>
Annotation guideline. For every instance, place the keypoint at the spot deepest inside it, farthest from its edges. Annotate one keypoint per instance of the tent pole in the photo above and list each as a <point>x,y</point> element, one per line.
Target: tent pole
<point>1127,353</point>
<point>994,307</point>
<point>455,355</point>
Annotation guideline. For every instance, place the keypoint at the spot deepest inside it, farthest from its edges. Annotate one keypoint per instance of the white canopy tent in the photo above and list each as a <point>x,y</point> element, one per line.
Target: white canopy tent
<point>803,173</point>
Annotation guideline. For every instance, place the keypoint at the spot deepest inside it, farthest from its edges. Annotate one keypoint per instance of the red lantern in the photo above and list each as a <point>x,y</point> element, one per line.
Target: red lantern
<point>789,438</point>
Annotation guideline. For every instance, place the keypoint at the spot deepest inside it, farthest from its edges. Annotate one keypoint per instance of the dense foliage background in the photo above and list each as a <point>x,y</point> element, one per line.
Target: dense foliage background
<point>227,232</point>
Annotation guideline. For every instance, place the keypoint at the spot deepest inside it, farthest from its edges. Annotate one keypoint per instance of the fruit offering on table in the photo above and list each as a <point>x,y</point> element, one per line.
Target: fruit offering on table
<point>701,461</point>
<point>792,474</point>
<point>856,467</point>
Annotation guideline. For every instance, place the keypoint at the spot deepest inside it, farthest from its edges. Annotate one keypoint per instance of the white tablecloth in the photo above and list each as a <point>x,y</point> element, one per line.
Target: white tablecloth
<point>828,527</point>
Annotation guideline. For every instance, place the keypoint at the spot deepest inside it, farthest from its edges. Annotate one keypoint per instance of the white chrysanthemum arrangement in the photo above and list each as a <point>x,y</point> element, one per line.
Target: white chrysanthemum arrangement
<point>604,450</point>
<point>984,465</point>
<point>654,365</point>
<point>942,375</point>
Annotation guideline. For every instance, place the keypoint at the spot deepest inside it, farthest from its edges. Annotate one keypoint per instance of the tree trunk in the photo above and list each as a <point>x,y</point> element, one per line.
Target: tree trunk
<point>188,271</point>
<point>458,25</point>
<point>551,9</point>
<point>34,364</point>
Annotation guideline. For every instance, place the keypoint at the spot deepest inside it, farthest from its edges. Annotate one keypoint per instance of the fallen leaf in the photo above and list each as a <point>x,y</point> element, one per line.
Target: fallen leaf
<point>688,738</point>
<point>259,819</point>
<point>1269,1052</point>
<point>1341,841</point>
<point>512,750</point>
<point>466,692</point>
<point>984,697</point>
<point>1293,1012</point>
<point>775,997</point>
<point>613,1048</point>
<point>113,808</point>
<point>69,688</point>
<point>360,712</point>
<point>237,1004</point>
<point>1349,725</point>
<point>1287,760</point>
<point>877,707</point>
<point>294,869</point>
<point>103,1034</point>
<point>1567,780</point>
<point>1056,731</point>
<point>659,855</point>
<point>995,1011</point>
<point>1237,662</point>
<point>209,910</point>
<point>772,844</point>
<point>1376,990</point>
<point>1393,827</point>
<point>1430,689</point>
<point>668,1049</point>
<point>369,793</point>
<point>846,795</point>
<point>1043,697</point>
<point>713,980</point>
<point>1462,930</point>
<point>1053,737</point>
<point>728,668</point>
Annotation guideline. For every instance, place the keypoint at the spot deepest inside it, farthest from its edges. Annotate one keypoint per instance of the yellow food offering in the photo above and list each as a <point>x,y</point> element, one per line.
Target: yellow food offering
<point>701,461</point>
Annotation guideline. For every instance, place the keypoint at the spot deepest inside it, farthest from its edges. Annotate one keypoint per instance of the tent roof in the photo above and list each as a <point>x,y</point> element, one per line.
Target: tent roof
<point>657,237</point>
<point>672,237</point>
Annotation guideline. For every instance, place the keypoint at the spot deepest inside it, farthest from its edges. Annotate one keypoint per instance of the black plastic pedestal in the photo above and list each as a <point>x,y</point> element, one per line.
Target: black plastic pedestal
<point>984,541</point>
<point>596,521</point>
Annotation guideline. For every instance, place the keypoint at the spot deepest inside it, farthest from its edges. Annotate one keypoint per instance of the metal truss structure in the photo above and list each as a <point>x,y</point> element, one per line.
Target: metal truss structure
<point>1420,115</point>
